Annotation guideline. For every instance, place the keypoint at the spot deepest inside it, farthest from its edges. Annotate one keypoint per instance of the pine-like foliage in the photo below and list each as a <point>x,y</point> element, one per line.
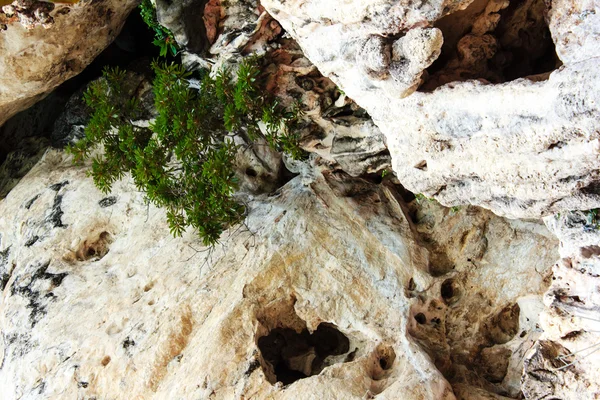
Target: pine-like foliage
<point>163,37</point>
<point>184,162</point>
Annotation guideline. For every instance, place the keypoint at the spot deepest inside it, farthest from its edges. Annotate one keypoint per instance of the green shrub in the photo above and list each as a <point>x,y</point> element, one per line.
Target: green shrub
<point>163,37</point>
<point>184,162</point>
<point>593,218</point>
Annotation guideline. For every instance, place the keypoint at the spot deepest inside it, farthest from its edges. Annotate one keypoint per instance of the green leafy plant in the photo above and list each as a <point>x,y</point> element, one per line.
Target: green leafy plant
<point>593,218</point>
<point>420,198</point>
<point>184,161</point>
<point>163,37</point>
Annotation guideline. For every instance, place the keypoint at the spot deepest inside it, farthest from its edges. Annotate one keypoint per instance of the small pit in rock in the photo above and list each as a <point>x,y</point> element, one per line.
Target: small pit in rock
<point>105,361</point>
<point>94,248</point>
<point>450,291</point>
<point>385,356</point>
<point>505,325</point>
<point>420,318</point>
<point>495,41</point>
<point>292,356</point>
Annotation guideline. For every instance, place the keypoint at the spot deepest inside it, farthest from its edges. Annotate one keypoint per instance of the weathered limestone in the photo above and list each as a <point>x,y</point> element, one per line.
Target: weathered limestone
<point>334,127</point>
<point>99,300</point>
<point>36,59</point>
<point>566,360</point>
<point>352,286</point>
<point>523,148</point>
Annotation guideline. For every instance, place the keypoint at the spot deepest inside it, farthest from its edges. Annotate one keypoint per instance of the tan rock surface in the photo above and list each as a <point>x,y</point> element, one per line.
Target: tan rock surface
<point>99,300</point>
<point>34,59</point>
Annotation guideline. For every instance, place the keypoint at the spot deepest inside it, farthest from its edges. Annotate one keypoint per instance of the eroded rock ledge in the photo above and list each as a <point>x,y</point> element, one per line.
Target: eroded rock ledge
<point>98,299</point>
<point>524,148</point>
<point>36,59</point>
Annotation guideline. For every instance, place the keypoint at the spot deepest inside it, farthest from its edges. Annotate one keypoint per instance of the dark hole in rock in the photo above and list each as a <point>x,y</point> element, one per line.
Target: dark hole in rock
<point>450,291</point>
<point>294,355</point>
<point>97,248</point>
<point>592,188</point>
<point>374,178</point>
<point>385,356</point>
<point>475,46</point>
<point>251,172</point>
<point>557,145</point>
<point>571,335</point>
<point>420,318</point>
<point>383,363</point>
<point>422,165</point>
<point>504,325</point>
<point>411,284</point>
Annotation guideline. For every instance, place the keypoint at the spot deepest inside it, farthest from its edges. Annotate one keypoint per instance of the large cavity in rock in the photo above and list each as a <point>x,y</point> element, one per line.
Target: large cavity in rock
<point>497,41</point>
<point>296,355</point>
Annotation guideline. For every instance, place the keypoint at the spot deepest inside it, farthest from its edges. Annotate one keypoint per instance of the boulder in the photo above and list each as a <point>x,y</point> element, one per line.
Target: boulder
<point>480,102</point>
<point>326,290</point>
<point>40,54</point>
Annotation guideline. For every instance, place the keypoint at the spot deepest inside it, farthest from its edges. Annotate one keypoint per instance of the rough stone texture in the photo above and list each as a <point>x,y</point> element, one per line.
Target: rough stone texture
<point>185,20</point>
<point>489,320</point>
<point>334,127</point>
<point>29,13</point>
<point>57,121</point>
<point>566,361</point>
<point>523,148</point>
<point>99,300</point>
<point>34,61</point>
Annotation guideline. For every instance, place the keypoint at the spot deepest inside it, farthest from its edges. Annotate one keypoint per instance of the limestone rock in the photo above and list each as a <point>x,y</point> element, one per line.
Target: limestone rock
<point>37,59</point>
<point>327,277</point>
<point>520,137</point>
<point>334,127</point>
<point>489,317</point>
<point>185,20</point>
<point>566,361</point>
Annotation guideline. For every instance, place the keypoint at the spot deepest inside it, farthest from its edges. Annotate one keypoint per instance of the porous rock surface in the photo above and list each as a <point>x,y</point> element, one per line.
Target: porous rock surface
<point>334,126</point>
<point>36,59</point>
<point>99,300</point>
<point>500,119</point>
<point>565,362</point>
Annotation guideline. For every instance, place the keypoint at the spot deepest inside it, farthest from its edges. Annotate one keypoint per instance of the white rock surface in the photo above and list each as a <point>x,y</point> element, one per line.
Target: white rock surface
<point>566,360</point>
<point>99,300</point>
<point>36,59</point>
<point>523,148</point>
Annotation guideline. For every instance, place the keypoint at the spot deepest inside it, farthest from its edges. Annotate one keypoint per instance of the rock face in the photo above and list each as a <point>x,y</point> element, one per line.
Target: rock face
<point>36,59</point>
<point>566,361</point>
<point>329,289</point>
<point>340,284</point>
<point>520,137</point>
<point>334,127</point>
